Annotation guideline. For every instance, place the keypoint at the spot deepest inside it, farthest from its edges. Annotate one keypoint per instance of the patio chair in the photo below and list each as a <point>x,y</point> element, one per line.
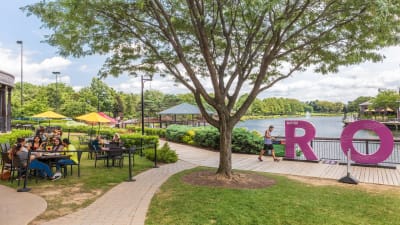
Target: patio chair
<point>3,147</point>
<point>64,167</point>
<point>6,164</point>
<point>22,171</point>
<point>116,155</point>
<point>98,155</point>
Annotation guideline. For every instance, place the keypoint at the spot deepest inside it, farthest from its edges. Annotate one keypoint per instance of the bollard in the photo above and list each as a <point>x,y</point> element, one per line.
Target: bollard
<point>26,189</point>
<point>130,164</point>
<point>348,178</point>
<point>155,155</point>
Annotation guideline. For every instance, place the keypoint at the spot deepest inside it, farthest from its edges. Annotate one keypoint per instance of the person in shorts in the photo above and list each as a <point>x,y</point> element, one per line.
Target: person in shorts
<point>268,144</point>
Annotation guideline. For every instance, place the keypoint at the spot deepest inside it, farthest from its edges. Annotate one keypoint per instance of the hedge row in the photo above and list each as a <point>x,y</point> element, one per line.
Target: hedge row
<point>136,139</point>
<point>12,137</point>
<point>147,131</point>
<point>243,141</point>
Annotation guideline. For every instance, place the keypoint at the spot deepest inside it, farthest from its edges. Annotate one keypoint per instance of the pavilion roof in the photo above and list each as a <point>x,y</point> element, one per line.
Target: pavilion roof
<point>183,109</point>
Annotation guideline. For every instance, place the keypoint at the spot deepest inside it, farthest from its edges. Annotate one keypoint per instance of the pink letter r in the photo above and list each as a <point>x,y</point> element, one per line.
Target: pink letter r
<point>303,142</point>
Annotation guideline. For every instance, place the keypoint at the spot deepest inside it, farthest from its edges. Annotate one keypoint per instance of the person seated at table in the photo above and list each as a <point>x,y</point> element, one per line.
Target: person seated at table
<point>71,161</point>
<point>98,142</point>
<point>23,143</point>
<point>57,145</point>
<point>26,146</point>
<point>57,132</point>
<point>22,159</point>
<point>41,133</point>
<point>116,138</point>
<point>38,144</point>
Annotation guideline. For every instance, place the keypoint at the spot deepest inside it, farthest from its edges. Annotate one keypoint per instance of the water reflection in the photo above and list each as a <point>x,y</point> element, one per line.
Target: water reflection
<point>325,127</point>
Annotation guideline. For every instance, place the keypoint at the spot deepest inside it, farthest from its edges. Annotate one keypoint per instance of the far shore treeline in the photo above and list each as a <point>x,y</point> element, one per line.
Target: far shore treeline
<point>98,96</point>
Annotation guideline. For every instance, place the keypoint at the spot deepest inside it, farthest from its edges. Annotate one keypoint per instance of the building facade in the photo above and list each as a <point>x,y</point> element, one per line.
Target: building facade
<point>6,86</point>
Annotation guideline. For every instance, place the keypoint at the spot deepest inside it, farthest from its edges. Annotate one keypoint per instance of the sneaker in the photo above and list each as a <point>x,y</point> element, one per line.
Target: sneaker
<point>55,177</point>
<point>260,159</point>
<point>276,160</point>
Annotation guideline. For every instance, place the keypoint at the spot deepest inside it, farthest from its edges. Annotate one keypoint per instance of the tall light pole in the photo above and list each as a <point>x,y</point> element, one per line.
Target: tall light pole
<point>142,99</point>
<point>56,73</point>
<point>398,111</point>
<point>22,72</point>
<point>102,95</point>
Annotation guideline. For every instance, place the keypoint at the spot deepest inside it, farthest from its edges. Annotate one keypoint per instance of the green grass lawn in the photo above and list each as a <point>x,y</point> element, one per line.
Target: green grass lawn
<point>287,202</point>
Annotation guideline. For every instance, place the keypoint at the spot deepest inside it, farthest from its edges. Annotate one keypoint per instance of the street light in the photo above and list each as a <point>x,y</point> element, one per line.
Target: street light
<point>398,111</point>
<point>99,94</point>
<point>142,99</point>
<point>56,73</point>
<point>22,72</point>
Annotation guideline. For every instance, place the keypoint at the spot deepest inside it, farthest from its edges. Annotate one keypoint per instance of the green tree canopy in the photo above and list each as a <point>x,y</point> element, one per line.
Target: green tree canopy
<point>354,106</point>
<point>386,99</point>
<point>224,45</point>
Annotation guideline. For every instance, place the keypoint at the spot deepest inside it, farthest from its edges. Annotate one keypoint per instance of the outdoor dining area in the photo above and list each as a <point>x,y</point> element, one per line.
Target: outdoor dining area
<point>53,161</point>
<point>50,154</point>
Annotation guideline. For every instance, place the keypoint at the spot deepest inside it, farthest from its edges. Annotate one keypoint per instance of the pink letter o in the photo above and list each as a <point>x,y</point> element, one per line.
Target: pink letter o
<point>386,146</point>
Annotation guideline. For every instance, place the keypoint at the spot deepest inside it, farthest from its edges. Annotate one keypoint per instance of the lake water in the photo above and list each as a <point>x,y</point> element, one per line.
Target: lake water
<point>325,126</point>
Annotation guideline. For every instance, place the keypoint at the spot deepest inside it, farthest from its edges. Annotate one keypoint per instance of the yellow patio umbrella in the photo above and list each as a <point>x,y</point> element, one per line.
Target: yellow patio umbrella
<point>49,115</point>
<point>94,117</point>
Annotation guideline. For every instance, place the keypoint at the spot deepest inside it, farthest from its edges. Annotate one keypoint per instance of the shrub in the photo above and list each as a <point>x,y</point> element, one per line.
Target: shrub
<point>207,137</point>
<point>12,137</point>
<point>243,141</point>
<point>165,154</point>
<point>136,140</point>
<point>176,133</point>
<point>147,131</point>
<point>188,137</point>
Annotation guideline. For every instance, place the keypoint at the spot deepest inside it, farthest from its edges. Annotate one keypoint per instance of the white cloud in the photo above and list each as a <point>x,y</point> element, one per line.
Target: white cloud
<point>348,84</point>
<point>165,85</point>
<point>35,72</point>
<point>77,88</point>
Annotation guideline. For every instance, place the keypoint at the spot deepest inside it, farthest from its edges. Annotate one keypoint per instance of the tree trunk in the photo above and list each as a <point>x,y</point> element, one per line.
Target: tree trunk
<point>225,148</point>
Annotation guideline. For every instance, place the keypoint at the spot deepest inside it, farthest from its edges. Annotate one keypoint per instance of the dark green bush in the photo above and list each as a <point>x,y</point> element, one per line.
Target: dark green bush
<point>177,133</point>
<point>243,141</point>
<point>207,137</point>
<point>165,154</point>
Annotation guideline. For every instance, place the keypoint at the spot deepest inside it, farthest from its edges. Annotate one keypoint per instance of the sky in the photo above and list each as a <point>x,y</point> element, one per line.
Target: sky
<point>41,59</point>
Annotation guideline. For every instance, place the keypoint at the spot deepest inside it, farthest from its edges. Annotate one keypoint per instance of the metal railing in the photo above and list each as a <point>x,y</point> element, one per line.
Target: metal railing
<point>330,149</point>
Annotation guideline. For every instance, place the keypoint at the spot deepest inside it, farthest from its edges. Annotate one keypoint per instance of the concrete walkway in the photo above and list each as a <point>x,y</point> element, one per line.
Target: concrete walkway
<point>17,208</point>
<point>128,202</point>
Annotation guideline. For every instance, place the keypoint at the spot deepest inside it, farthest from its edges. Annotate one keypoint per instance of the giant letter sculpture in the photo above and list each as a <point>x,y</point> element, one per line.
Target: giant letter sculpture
<point>303,142</point>
<point>385,136</point>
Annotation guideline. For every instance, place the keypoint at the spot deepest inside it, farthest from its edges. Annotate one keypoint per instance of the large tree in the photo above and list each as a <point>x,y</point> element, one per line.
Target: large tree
<point>227,45</point>
<point>387,99</point>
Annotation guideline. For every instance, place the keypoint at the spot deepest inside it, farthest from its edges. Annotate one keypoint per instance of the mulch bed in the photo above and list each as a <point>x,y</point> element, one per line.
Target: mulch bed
<point>238,181</point>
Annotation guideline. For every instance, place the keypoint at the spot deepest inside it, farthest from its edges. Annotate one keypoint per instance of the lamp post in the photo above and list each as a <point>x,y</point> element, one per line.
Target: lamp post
<point>56,73</point>
<point>398,111</point>
<point>142,100</point>
<point>22,72</point>
<point>99,94</point>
